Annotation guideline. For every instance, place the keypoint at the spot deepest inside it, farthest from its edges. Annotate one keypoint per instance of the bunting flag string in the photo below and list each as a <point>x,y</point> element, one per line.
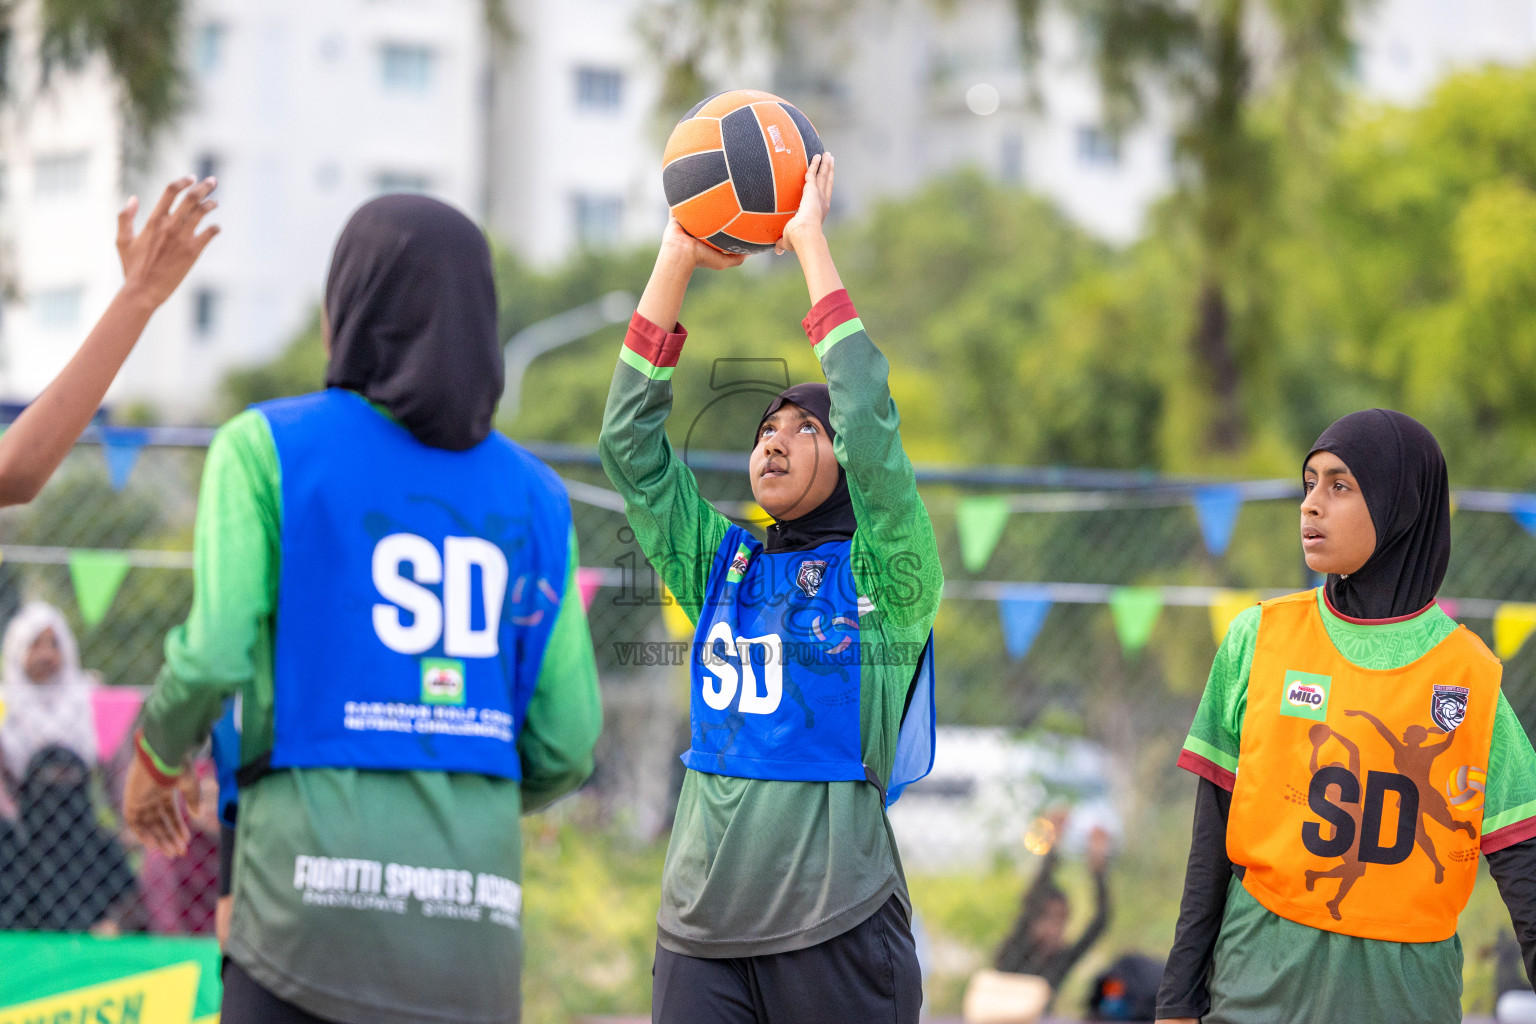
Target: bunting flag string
<point>1022,614</point>
<point>679,626</point>
<point>1135,611</point>
<point>587,582</point>
<point>1228,606</point>
<point>96,575</point>
<point>1216,508</point>
<point>1523,509</point>
<point>1513,624</point>
<point>120,446</point>
<point>980,522</point>
<point>114,709</point>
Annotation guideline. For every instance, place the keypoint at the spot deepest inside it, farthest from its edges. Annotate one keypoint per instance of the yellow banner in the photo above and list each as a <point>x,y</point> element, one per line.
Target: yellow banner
<point>163,996</point>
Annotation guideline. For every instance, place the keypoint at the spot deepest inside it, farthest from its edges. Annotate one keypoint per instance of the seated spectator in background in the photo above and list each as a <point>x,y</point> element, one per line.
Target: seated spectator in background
<point>64,870</point>
<point>12,899</point>
<point>181,893</point>
<point>1037,945</point>
<point>71,873</point>
<point>47,696</point>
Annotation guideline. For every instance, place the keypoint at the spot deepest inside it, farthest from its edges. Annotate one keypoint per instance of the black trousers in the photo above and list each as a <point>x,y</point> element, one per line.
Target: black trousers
<point>868,975</point>
<point>246,1002</point>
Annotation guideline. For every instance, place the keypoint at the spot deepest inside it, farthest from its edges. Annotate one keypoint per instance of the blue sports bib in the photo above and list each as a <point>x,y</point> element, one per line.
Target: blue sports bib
<point>417,592</point>
<point>776,671</point>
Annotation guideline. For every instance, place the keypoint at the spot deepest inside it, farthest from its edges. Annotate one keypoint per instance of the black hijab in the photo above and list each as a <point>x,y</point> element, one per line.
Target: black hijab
<point>1403,480</point>
<point>411,303</point>
<point>70,871</point>
<point>833,518</point>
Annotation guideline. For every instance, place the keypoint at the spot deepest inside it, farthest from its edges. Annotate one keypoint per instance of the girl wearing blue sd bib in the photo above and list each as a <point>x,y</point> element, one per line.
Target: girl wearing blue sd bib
<point>388,584</point>
<point>783,898</point>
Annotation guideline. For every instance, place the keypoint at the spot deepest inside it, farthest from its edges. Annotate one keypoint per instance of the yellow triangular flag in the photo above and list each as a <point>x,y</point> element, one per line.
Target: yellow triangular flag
<point>754,515</point>
<point>1228,606</point>
<point>677,622</point>
<point>1513,623</point>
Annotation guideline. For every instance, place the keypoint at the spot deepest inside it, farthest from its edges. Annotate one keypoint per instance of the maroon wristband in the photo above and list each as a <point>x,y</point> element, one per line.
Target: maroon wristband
<point>147,759</point>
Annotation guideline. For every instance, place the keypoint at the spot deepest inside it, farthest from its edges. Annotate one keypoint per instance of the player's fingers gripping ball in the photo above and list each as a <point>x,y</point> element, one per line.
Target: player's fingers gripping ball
<point>734,169</point>
<point>1464,788</point>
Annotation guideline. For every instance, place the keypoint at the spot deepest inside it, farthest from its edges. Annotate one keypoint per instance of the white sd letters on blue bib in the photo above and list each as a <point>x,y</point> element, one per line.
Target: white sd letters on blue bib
<point>450,619</point>
<point>777,671</point>
<point>417,592</point>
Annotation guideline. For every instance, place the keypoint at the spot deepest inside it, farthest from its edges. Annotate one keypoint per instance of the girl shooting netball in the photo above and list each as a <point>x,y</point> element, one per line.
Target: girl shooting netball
<point>783,898</point>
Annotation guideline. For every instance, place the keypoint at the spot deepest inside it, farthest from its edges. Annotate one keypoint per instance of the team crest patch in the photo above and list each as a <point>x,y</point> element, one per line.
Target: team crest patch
<point>811,574</point>
<point>1448,706</point>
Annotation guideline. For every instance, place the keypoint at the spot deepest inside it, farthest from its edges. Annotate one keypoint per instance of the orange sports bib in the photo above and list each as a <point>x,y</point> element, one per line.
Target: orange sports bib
<point>1358,803</point>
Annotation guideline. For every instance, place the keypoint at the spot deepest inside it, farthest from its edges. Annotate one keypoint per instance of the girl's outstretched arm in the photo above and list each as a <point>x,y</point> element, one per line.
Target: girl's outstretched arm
<point>155,260</point>
<point>894,528</point>
<point>676,528</point>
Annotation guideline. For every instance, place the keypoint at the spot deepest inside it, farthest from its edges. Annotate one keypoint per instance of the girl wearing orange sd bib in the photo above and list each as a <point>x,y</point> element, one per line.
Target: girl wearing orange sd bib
<point>1355,755</point>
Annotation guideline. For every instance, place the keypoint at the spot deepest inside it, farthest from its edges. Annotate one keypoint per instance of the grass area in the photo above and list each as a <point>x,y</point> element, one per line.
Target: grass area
<point>590,918</point>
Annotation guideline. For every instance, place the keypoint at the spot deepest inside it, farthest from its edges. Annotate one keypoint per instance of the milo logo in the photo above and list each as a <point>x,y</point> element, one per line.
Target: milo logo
<point>442,681</point>
<point>1305,695</point>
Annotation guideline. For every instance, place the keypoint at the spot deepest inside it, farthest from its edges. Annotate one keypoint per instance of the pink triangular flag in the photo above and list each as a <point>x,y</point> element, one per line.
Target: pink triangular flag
<point>587,581</point>
<point>115,708</point>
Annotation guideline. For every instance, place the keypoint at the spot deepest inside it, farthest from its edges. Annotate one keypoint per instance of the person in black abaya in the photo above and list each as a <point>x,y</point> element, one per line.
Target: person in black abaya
<point>70,874</point>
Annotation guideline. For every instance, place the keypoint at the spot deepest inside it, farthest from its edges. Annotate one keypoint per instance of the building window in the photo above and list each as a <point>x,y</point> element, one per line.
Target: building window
<point>401,181</point>
<point>59,174</point>
<point>598,219</point>
<point>599,89</point>
<point>1096,147</point>
<point>205,313</point>
<point>208,47</point>
<point>1010,159</point>
<point>406,68</point>
<point>57,309</point>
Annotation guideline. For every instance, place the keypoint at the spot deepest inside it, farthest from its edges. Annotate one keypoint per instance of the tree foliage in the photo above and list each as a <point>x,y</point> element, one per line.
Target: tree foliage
<point>140,42</point>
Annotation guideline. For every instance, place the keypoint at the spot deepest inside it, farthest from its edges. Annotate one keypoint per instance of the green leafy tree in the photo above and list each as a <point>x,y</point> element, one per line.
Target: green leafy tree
<point>140,42</point>
<point>1217,64</point>
<point>1429,282</point>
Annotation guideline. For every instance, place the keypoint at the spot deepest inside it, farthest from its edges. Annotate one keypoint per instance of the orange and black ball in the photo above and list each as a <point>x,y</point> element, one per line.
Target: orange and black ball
<point>734,169</point>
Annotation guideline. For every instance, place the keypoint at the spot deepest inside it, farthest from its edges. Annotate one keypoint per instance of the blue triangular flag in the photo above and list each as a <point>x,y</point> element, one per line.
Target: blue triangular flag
<point>120,446</point>
<point>1022,613</point>
<point>1523,508</point>
<point>1217,507</point>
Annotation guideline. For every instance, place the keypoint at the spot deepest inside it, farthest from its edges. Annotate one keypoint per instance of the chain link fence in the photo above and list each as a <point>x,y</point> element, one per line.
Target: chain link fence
<point>1080,717</point>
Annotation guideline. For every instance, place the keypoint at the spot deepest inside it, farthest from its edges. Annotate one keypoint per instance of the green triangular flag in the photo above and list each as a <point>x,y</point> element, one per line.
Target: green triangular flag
<point>980,522</point>
<point>1135,611</point>
<point>96,575</point>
